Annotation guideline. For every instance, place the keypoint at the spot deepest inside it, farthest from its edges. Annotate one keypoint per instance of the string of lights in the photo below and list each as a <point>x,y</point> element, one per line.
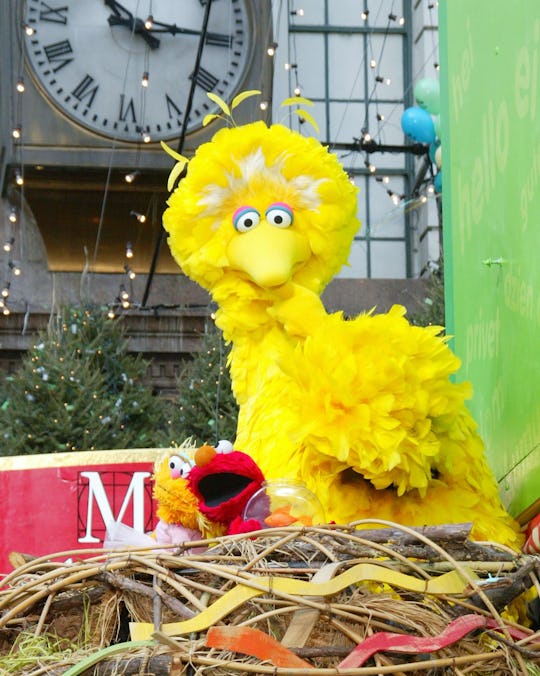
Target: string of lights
<point>367,144</point>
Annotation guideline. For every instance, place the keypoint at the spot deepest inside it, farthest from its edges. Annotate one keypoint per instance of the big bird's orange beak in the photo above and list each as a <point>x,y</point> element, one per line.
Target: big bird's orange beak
<point>268,254</point>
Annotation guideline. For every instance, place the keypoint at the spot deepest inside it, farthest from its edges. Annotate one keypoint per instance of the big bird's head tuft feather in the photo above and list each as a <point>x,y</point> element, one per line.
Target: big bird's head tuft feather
<point>257,166</point>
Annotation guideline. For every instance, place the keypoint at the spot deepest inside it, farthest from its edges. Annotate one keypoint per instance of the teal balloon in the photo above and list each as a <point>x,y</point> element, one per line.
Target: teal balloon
<point>428,95</point>
<point>432,150</point>
<point>437,125</point>
<point>418,125</point>
<point>437,183</point>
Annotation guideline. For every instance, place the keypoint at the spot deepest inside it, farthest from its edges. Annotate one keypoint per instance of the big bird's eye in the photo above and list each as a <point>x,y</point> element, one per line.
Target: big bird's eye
<point>180,467</point>
<point>246,218</point>
<point>279,214</point>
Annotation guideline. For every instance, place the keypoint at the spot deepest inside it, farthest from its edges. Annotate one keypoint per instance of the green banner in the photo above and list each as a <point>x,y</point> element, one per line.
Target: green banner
<point>490,120</point>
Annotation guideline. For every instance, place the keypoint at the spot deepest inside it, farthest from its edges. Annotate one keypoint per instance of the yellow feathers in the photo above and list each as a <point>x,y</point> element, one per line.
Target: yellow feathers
<point>181,162</point>
<point>259,165</point>
<point>175,502</point>
<point>364,411</point>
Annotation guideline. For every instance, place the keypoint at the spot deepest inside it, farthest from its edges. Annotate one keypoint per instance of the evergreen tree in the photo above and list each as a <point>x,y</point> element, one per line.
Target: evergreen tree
<point>208,410</point>
<point>79,389</point>
<point>433,312</point>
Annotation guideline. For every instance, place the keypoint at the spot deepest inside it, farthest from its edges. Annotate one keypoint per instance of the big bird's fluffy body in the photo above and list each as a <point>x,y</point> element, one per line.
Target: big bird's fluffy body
<point>363,411</point>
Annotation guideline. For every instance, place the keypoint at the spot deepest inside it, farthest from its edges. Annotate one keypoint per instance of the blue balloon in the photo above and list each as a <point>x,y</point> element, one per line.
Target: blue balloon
<point>437,183</point>
<point>417,123</point>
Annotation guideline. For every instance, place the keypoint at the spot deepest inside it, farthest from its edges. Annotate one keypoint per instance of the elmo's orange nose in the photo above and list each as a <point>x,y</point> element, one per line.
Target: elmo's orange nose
<point>204,455</point>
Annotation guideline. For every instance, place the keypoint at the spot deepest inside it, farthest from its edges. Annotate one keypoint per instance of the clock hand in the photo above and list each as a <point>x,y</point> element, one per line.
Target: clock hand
<point>159,27</point>
<point>133,23</point>
<point>219,39</point>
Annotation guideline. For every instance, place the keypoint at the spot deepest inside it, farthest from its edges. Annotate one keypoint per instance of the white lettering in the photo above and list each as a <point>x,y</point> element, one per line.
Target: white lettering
<point>96,492</point>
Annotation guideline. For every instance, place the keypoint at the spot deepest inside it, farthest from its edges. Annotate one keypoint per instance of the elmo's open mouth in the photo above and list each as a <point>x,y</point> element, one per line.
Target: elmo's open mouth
<point>221,487</point>
<point>224,485</point>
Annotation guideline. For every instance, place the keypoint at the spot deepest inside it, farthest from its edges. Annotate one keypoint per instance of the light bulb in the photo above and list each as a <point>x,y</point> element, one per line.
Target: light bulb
<point>263,105</point>
<point>5,291</point>
<point>28,29</point>
<point>140,217</point>
<point>272,49</point>
<point>297,91</point>
<point>14,268</point>
<point>124,295</point>
<point>129,178</point>
<point>146,137</point>
<point>365,14</point>
<point>145,78</point>
<point>373,63</point>
<point>290,66</point>
<point>129,250</point>
<point>6,310</point>
<point>380,117</point>
<point>297,12</point>
<point>149,22</point>
<point>13,215</point>
<point>8,244</point>
<point>20,85</point>
<point>111,314</point>
<point>16,132</point>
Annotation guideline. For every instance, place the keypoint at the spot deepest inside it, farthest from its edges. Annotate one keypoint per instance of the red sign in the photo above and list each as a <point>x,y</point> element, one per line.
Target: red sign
<point>64,501</point>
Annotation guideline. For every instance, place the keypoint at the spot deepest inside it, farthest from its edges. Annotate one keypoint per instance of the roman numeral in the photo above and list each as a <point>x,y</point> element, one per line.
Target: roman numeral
<point>172,108</point>
<point>56,52</point>
<point>218,40</point>
<point>126,110</point>
<point>53,14</point>
<point>85,90</point>
<point>205,79</point>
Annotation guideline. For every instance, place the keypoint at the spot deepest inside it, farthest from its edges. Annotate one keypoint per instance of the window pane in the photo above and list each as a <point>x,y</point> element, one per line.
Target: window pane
<point>387,219</point>
<point>388,260</point>
<point>387,51</point>
<point>346,65</point>
<point>311,65</point>
<point>357,267</point>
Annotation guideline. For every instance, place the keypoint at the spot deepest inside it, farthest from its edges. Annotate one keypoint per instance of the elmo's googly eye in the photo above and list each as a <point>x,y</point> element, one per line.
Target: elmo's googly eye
<point>279,214</point>
<point>180,467</point>
<point>246,218</point>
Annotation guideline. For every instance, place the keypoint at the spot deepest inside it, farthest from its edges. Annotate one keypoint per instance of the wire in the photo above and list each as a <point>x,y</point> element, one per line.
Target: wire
<point>111,160</point>
<point>181,140</point>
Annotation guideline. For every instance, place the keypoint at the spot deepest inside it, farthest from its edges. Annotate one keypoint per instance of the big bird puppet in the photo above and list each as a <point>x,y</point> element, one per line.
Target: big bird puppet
<point>362,411</point>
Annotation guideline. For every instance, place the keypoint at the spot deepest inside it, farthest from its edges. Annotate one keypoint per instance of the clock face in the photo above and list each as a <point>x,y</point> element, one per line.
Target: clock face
<point>91,58</point>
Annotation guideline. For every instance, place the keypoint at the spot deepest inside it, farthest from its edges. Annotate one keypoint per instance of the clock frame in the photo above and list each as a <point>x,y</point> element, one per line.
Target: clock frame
<point>99,65</point>
<point>60,157</point>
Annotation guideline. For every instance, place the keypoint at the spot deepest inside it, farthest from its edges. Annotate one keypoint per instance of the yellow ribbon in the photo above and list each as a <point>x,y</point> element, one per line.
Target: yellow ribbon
<point>449,583</point>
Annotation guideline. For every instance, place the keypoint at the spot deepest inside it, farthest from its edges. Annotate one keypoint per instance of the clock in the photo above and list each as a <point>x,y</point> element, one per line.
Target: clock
<point>124,70</point>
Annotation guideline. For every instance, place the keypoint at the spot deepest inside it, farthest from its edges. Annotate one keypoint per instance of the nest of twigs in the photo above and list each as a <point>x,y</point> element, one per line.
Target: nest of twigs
<point>84,606</point>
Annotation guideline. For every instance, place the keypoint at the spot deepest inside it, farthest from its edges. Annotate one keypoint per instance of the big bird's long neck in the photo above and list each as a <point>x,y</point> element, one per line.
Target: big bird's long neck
<point>265,333</point>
